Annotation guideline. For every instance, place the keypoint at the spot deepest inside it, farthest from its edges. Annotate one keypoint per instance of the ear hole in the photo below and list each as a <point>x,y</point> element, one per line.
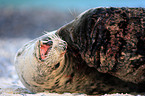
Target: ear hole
<point>57,65</point>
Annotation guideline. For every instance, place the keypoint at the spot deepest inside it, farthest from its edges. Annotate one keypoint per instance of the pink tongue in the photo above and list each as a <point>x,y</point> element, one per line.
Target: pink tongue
<point>44,50</point>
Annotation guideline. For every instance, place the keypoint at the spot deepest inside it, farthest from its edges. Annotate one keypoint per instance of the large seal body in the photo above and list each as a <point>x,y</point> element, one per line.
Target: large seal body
<point>112,40</point>
<point>105,53</point>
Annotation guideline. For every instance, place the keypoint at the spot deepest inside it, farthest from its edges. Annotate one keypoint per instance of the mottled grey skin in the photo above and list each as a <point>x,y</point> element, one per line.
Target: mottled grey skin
<point>112,40</point>
<point>105,53</point>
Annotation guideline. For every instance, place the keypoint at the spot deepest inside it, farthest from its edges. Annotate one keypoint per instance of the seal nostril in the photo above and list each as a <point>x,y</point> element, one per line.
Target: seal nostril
<point>64,47</point>
<point>65,43</point>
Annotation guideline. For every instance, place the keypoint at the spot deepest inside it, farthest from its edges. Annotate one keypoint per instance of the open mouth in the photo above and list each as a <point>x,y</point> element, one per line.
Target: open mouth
<point>44,48</point>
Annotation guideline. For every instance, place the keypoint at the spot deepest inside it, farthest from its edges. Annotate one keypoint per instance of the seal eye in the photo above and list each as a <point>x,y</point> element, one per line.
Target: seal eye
<point>49,43</point>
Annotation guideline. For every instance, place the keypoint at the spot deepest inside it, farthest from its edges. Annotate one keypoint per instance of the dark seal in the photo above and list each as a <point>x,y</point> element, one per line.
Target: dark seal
<point>112,41</point>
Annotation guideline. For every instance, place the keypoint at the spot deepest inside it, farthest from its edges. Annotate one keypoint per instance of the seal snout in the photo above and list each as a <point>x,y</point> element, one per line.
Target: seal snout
<point>63,45</point>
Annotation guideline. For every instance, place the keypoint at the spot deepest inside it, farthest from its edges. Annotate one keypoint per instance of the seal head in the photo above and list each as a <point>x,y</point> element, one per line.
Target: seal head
<point>51,48</point>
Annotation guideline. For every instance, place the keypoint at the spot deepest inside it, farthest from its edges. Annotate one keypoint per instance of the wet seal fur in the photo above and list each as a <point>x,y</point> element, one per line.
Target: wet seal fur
<point>105,54</point>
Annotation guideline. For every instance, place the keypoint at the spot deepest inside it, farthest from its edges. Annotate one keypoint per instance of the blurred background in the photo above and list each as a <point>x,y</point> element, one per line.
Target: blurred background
<point>29,18</point>
<point>24,20</point>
